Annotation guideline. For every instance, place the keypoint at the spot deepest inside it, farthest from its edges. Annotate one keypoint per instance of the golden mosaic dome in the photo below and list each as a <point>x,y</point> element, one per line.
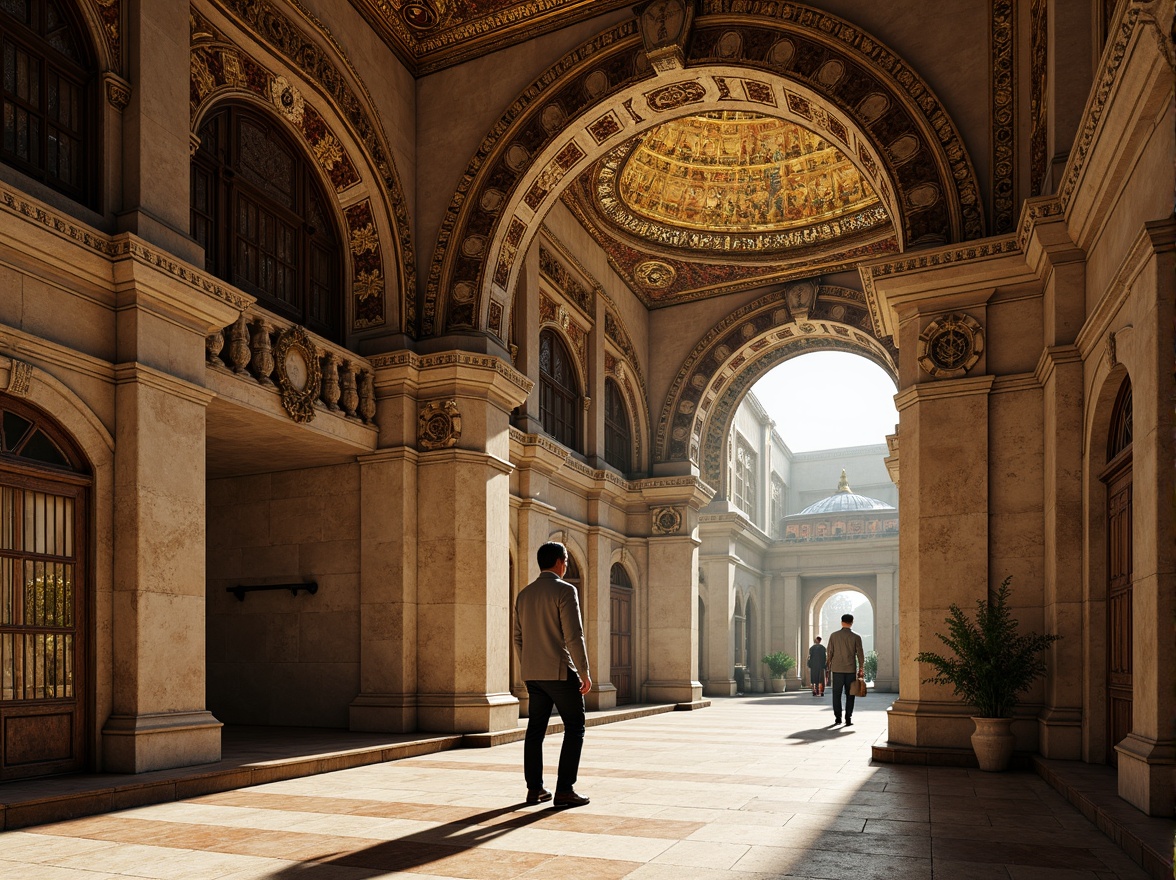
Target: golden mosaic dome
<point>740,172</point>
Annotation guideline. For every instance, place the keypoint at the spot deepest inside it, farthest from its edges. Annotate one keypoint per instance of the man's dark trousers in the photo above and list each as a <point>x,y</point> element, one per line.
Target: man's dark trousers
<point>565,696</point>
<point>841,682</point>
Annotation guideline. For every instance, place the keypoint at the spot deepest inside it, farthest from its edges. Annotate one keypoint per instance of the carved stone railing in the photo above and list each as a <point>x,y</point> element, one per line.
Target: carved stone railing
<point>309,373</point>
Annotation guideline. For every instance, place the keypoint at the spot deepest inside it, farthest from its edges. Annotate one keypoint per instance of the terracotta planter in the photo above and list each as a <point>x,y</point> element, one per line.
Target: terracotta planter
<point>779,685</point>
<point>993,743</point>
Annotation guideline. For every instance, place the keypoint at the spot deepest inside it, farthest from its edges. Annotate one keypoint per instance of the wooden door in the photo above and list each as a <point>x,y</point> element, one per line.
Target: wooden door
<point>42,603</point>
<point>1117,478</point>
<point>621,634</point>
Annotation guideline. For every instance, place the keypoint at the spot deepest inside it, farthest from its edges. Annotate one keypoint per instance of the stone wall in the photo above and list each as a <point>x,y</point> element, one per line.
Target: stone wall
<point>277,658</point>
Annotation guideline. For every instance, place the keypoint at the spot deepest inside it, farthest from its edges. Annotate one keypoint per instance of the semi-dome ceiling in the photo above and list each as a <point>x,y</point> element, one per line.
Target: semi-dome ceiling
<point>716,201</point>
<point>733,171</point>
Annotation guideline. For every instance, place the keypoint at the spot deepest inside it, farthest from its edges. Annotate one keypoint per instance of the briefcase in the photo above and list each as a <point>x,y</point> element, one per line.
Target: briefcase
<point>857,687</point>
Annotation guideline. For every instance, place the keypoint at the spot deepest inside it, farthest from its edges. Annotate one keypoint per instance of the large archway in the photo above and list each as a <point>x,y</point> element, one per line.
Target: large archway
<point>798,64</point>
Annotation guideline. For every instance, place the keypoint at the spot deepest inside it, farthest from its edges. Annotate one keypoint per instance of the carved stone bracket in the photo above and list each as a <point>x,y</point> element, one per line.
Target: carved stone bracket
<point>20,378</point>
<point>666,520</point>
<point>950,346</point>
<point>118,91</point>
<point>665,27</point>
<point>439,425</point>
<point>298,371</point>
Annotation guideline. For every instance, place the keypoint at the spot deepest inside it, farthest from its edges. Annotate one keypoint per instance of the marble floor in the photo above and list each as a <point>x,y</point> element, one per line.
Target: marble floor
<point>750,788</point>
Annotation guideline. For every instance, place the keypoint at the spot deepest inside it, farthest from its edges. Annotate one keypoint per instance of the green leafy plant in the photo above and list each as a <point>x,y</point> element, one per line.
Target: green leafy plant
<point>871,665</point>
<point>993,663</point>
<point>779,663</point>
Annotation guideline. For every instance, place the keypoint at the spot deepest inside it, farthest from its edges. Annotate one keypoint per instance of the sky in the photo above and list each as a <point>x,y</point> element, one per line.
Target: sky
<point>829,399</point>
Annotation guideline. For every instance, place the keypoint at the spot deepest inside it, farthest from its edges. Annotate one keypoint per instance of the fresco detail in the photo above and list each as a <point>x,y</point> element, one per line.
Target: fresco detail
<point>738,171</point>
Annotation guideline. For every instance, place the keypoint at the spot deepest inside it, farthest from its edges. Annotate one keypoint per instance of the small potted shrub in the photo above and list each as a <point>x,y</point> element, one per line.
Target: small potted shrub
<point>993,665</point>
<point>780,664</point>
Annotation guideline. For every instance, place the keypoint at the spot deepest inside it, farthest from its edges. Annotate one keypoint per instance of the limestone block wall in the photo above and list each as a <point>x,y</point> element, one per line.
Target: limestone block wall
<point>276,658</point>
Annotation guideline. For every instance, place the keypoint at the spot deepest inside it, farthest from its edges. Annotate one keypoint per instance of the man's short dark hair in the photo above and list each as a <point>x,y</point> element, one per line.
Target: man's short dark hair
<point>847,618</point>
<point>551,553</point>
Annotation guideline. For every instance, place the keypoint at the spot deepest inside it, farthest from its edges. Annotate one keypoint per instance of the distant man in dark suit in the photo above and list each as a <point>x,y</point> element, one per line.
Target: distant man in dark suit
<point>553,660</point>
<point>844,646</point>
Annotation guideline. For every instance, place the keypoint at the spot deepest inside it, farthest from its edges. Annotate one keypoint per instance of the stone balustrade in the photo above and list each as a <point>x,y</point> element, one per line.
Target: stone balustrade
<point>308,372</point>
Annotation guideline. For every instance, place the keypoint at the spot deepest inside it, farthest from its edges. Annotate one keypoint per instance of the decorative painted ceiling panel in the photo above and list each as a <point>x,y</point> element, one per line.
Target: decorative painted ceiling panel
<point>433,34</point>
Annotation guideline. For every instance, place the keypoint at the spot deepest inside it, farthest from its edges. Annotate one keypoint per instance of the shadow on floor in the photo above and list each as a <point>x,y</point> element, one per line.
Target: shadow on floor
<point>449,842</point>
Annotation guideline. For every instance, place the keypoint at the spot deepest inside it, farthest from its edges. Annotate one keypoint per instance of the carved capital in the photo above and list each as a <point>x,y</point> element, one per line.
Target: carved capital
<point>118,91</point>
<point>439,425</point>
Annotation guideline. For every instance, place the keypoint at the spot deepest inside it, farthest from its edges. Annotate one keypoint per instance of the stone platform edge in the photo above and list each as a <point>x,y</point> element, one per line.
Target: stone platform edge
<point>190,782</point>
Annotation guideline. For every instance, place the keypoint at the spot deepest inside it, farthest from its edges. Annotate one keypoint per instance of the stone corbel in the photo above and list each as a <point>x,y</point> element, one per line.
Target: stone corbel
<point>117,89</point>
<point>20,378</point>
<point>665,27</point>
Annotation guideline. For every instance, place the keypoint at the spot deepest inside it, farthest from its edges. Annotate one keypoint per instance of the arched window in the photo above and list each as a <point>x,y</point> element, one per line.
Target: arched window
<point>559,394</point>
<point>262,218</point>
<point>618,437</point>
<point>48,95</point>
<point>1119,437</point>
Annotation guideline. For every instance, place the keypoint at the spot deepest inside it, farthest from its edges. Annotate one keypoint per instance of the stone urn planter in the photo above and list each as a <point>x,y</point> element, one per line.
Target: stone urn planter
<point>780,664</point>
<point>779,685</point>
<point>993,743</point>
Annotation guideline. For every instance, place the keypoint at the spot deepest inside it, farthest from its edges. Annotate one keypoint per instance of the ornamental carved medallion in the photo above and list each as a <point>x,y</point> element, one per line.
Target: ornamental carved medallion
<point>298,373</point>
<point>950,346</point>
<point>439,425</point>
<point>667,520</point>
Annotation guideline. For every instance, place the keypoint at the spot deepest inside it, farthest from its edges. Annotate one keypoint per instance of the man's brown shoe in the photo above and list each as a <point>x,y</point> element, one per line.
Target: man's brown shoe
<point>538,795</point>
<point>569,798</point>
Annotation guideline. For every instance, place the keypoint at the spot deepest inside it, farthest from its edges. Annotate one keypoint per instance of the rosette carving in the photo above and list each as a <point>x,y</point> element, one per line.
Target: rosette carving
<point>439,425</point>
<point>667,520</point>
<point>950,346</point>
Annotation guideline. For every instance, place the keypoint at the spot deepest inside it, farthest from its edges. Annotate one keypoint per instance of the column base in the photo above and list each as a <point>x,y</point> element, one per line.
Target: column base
<point>1147,770</point>
<point>602,697</point>
<point>949,725</point>
<point>886,685</point>
<point>721,687</point>
<point>383,713</point>
<point>673,691</point>
<point>467,713</point>
<point>1059,733</point>
<point>140,743</point>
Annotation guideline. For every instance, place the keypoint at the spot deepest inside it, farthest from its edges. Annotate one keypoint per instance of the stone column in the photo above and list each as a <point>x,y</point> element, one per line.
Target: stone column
<point>159,717</point>
<point>594,412</point>
<point>943,541</point>
<point>718,640</point>
<point>789,591</point>
<point>526,324</point>
<point>156,136</point>
<point>886,632</point>
<point>463,522</point>
<point>597,605</point>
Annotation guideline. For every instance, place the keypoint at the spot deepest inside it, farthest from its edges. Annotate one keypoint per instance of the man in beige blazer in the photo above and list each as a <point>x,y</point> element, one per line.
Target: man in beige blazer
<point>844,647</point>
<point>553,660</point>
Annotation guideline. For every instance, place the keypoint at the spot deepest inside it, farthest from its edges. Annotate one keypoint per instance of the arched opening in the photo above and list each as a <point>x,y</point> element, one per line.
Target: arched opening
<point>559,391</point>
<point>618,435</point>
<point>50,97</point>
<point>1117,477</point>
<point>261,215</point>
<point>44,596</point>
<point>621,633</point>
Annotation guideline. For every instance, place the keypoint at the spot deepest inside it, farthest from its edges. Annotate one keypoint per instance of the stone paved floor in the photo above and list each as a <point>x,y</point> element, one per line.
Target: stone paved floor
<point>750,788</point>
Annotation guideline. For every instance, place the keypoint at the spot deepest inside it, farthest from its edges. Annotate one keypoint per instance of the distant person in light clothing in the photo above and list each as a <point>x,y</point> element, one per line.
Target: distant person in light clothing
<point>844,646</point>
<point>553,661</point>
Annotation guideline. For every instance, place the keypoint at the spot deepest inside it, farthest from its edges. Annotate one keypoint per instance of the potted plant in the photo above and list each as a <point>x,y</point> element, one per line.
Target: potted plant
<point>871,665</point>
<point>993,664</point>
<point>780,663</point>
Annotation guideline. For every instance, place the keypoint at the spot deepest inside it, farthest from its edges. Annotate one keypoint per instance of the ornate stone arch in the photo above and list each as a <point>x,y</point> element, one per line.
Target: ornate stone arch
<point>334,115</point>
<point>103,21</point>
<point>800,317</point>
<point>784,59</point>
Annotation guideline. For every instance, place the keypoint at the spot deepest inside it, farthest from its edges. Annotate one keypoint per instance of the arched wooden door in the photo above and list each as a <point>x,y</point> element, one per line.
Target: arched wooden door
<point>43,675</point>
<point>1117,477</point>
<point>621,633</point>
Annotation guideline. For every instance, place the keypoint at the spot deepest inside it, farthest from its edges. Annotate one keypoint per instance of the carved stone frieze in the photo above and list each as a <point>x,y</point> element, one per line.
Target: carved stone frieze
<point>439,425</point>
<point>298,372</point>
<point>950,346</point>
<point>1004,115</point>
<point>666,520</point>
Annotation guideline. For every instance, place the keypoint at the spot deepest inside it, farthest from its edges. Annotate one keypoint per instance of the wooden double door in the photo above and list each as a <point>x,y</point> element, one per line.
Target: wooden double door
<point>621,634</point>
